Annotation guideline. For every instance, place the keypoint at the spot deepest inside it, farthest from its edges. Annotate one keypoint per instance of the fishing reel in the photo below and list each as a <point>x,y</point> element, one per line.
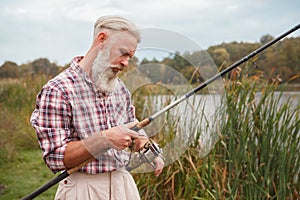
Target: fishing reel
<point>147,154</point>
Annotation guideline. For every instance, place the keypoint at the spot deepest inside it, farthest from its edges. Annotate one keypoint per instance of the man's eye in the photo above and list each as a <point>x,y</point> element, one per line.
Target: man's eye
<point>125,53</point>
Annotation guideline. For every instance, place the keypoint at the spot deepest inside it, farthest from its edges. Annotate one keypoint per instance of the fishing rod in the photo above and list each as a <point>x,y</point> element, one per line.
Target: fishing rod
<point>149,119</point>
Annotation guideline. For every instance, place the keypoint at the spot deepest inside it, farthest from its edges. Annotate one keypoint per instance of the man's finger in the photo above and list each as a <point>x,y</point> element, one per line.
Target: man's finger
<point>133,134</point>
<point>159,163</point>
<point>131,124</point>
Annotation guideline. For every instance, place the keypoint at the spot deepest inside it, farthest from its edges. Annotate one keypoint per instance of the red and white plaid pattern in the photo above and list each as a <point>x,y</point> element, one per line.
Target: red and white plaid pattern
<point>69,108</point>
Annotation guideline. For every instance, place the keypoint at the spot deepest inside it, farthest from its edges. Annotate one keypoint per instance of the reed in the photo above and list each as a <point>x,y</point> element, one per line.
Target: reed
<point>256,155</point>
<point>262,143</point>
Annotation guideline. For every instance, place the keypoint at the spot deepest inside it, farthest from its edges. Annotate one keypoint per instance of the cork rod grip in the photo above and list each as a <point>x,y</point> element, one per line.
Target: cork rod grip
<point>141,124</point>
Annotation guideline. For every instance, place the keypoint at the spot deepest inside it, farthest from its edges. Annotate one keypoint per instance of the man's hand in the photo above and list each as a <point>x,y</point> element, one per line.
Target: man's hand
<point>121,136</point>
<point>139,143</point>
<point>159,165</point>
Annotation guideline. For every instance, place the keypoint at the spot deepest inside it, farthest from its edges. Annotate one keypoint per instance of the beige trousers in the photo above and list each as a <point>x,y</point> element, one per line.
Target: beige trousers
<point>106,186</point>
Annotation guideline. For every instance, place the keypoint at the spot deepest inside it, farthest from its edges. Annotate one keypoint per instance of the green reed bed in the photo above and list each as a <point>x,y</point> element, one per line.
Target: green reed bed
<point>256,157</point>
<point>261,140</point>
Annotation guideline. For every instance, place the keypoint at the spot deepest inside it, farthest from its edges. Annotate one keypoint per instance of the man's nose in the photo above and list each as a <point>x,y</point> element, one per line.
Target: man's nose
<point>125,61</point>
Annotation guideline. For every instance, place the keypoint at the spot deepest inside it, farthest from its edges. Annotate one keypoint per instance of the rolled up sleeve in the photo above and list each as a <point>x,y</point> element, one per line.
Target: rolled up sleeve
<point>51,121</point>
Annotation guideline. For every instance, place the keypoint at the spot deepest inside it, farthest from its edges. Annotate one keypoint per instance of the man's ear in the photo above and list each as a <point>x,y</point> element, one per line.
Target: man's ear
<point>102,36</point>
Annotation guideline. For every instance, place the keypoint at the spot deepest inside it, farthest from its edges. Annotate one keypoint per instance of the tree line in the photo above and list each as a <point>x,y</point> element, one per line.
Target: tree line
<point>40,66</point>
<point>280,60</point>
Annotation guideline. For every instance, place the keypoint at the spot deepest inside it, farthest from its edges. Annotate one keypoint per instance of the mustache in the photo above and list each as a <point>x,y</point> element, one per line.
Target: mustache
<point>116,66</point>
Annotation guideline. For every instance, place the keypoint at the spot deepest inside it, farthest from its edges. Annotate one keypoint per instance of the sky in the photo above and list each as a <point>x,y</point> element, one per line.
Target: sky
<point>61,29</point>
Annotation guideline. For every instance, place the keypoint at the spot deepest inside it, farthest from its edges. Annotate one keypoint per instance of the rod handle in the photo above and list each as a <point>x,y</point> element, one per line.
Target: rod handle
<point>145,122</point>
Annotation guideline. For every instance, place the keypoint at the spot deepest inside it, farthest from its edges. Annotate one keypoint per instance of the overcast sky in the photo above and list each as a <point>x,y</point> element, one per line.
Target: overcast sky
<point>61,29</point>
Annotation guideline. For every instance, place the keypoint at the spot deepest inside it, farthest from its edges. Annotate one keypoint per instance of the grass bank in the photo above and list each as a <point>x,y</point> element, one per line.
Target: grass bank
<point>23,174</point>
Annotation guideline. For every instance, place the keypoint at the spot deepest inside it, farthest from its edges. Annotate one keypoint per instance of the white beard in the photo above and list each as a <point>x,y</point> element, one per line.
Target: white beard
<point>103,77</point>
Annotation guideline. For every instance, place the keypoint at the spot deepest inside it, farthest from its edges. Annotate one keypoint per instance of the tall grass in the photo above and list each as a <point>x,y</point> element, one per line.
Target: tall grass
<point>261,140</point>
<point>17,101</point>
<point>256,157</point>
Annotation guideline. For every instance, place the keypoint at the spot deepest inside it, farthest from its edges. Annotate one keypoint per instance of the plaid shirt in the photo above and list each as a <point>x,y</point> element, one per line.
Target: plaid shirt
<point>70,108</point>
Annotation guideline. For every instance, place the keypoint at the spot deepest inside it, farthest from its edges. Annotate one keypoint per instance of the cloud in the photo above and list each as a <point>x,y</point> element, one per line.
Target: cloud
<point>59,29</point>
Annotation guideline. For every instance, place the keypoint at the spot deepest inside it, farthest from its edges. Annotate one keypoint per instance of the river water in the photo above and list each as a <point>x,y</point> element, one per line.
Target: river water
<point>191,116</point>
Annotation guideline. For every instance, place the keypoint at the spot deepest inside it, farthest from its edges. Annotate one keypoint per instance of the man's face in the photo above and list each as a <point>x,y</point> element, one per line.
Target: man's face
<point>113,58</point>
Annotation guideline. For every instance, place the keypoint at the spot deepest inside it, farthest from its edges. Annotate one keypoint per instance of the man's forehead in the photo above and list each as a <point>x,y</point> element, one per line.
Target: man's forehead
<point>123,35</point>
<point>128,45</point>
<point>125,42</point>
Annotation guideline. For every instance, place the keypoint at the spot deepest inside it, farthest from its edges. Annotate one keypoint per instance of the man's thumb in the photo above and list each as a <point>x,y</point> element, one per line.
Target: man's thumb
<point>130,125</point>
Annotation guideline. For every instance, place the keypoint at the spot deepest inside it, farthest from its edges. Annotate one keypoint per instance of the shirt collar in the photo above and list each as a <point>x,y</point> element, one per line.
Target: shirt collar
<point>75,65</point>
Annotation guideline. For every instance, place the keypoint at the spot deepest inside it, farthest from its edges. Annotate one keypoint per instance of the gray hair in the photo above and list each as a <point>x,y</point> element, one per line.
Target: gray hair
<point>116,23</point>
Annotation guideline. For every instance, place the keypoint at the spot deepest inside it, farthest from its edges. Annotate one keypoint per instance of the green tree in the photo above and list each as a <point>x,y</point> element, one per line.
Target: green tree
<point>44,66</point>
<point>9,70</point>
<point>220,56</point>
<point>266,38</point>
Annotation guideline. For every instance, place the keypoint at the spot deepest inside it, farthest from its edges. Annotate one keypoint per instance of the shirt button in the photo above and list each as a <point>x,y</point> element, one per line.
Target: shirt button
<point>65,182</point>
